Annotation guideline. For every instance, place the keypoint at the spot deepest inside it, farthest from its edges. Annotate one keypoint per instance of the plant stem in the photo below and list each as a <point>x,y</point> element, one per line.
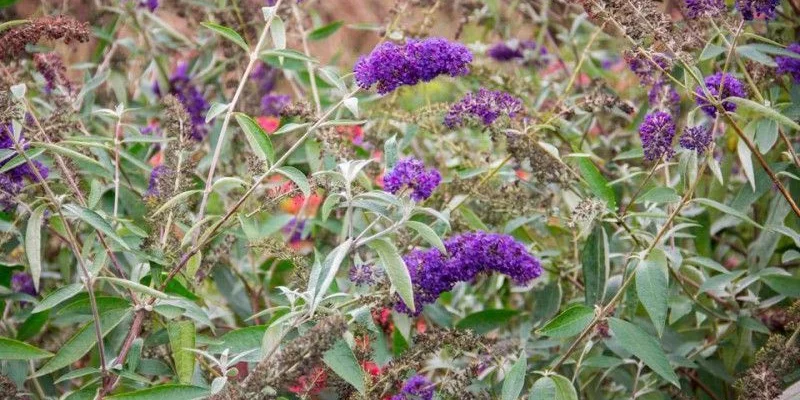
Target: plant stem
<point>229,112</point>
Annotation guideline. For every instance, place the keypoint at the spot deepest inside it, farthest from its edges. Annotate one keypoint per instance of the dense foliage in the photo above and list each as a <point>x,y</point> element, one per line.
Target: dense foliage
<point>252,199</point>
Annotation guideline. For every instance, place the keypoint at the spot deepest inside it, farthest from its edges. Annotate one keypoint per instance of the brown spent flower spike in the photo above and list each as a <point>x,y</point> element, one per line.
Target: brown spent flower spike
<point>13,41</point>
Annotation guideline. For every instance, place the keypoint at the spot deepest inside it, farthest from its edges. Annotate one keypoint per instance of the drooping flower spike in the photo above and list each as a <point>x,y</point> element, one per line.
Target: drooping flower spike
<point>484,105</point>
<point>392,65</point>
<point>656,132</point>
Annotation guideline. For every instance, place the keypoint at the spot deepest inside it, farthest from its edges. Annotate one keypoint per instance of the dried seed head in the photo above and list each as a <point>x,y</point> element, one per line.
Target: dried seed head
<point>13,41</point>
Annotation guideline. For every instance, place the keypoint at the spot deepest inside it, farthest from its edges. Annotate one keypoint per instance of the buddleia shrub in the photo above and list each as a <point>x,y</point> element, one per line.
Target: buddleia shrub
<point>410,199</point>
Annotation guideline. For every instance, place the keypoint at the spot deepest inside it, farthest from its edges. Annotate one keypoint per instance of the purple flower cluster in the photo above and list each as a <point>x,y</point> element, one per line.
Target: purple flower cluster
<point>272,104</point>
<point>696,9</point>
<point>148,4</point>
<point>663,96</point>
<point>750,9</point>
<point>22,282</point>
<point>697,138</point>
<point>364,274</point>
<point>485,105</point>
<point>410,173</point>
<point>294,230</point>
<point>721,86</point>
<point>468,255</point>
<point>647,69</point>
<point>656,133</point>
<point>790,65</point>
<point>391,65</point>
<point>13,181</point>
<point>415,388</point>
<point>527,51</point>
<point>155,175</point>
<point>181,86</point>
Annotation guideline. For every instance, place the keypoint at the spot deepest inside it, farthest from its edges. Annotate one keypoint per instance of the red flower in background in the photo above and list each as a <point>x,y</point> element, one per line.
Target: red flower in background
<point>268,124</point>
<point>311,383</point>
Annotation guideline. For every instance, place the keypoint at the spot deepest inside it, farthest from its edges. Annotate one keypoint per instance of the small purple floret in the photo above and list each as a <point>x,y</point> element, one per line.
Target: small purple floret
<point>656,132</point>
<point>721,86</point>
<point>485,105</point>
<point>790,65</point>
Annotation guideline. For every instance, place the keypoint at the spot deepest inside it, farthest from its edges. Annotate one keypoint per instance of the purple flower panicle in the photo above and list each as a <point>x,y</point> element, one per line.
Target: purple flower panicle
<point>155,175</point>
<point>751,9</point>
<point>790,65</point>
<point>392,65</point>
<point>663,96</point>
<point>272,104</point>
<point>189,94</point>
<point>697,138</point>
<point>527,51</point>
<point>13,181</point>
<point>363,274</point>
<point>647,69</point>
<point>721,86</point>
<point>410,173</point>
<point>485,105</point>
<point>468,255</point>
<point>415,388</point>
<point>657,132</point>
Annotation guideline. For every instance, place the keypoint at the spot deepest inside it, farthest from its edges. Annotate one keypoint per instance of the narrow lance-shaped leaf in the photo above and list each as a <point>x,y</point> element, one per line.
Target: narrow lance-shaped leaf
<point>553,387</point>
<point>33,244</point>
<point>11,349</point>
<point>182,337</point>
<point>256,137</point>
<point>342,361</point>
<point>652,284</point>
<point>427,233</point>
<point>163,392</point>
<point>227,33</point>
<point>569,323</point>
<point>58,296</point>
<point>82,341</point>
<point>396,270</point>
<point>515,379</point>
<point>594,260</point>
<point>645,347</point>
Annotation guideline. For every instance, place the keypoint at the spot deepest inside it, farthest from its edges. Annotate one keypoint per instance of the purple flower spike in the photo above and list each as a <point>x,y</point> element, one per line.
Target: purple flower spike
<point>662,95</point>
<point>416,388</point>
<point>391,65</point>
<point>22,282</point>
<point>721,86</point>
<point>410,173</point>
<point>155,175</point>
<point>657,132</point>
<point>485,105</point>
<point>468,255</point>
<point>527,51</point>
<point>790,65</point>
<point>189,94</point>
<point>273,104</point>
<point>750,9</point>
<point>697,138</point>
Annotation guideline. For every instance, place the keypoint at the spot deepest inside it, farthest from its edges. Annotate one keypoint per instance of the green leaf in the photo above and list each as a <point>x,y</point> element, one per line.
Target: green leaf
<point>163,392</point>
<point>296,176</point>
<point>485,321</point>
<point>660,195</point>
<point>20,159</point>
<point>136,287</point>
<point>594,262</point>
<point>427,233</point>
<point>182,337</point>
<point>597,183</point>
<point>277,29</point>
<point>390,152</point>
<point>342,361</point>
<point>59,295</point>
<point>227,33</point>
<point>645,347</point>
<point>515,379</point>
<point>11,349</point>
<point>215,110</point>
<point>764,111</point>
<point>652,284</point>
<point>321,280</point>
<point>784,284</point>
<point>553,387</point>
<point>324,31</point>
<point>82,341</point>
<point>752,52</point>
<point>180,198</point>
<point>241,340</point>
<point>71,154</point>
<point>395,269</point>
<point>570,322</point>
<point>33,244</point>
<point>728,210</point>
<point>96,221</point>
<point>256,137</point>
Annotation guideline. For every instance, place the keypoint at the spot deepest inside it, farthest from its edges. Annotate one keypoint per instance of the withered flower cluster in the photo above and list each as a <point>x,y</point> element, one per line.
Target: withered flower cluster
<point>13,41</point>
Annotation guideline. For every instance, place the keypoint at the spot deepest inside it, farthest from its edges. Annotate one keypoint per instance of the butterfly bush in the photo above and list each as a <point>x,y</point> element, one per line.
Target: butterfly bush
<point>399,200</point>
